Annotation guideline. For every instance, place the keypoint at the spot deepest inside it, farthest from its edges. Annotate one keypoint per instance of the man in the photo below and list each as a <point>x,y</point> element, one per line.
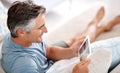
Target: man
<point>24,51</point>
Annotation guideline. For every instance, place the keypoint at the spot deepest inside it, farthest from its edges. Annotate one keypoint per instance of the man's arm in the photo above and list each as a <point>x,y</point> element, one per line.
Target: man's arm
<point>57,53</point>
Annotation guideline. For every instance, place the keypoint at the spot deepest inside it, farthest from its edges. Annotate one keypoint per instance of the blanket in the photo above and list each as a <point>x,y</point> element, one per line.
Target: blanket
<point>100,63</point>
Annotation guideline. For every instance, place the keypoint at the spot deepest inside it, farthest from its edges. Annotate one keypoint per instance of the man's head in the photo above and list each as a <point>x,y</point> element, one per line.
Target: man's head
<point>23,17</point>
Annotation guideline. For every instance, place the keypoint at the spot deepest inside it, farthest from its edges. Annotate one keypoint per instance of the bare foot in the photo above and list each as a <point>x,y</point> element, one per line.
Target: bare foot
<point>112,23</point>
<point>100,14</point>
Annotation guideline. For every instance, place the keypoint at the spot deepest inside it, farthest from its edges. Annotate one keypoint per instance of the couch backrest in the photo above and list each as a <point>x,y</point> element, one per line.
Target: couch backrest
<point>1,69</point>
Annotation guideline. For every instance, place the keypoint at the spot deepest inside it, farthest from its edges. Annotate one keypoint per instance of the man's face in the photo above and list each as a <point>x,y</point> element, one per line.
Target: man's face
<point>38,30</point>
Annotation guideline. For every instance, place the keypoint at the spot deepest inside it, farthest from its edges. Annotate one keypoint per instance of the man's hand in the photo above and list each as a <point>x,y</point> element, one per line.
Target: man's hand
<point>76,46</point>
<point>81,67</point>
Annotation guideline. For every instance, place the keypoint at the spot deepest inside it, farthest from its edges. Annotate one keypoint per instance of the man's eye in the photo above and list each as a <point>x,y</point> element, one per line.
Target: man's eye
<point>41,27</point>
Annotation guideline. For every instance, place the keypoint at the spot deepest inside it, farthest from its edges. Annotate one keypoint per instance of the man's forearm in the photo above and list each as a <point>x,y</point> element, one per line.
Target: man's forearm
<point>57,53</point>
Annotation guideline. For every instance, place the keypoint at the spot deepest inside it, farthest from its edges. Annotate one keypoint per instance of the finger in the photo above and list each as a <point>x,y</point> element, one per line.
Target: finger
<point>83,37</point>
<point>81,41</point>
<point>85,61</point>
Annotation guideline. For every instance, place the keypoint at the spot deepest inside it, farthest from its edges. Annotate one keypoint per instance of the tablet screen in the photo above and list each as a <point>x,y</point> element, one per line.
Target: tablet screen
<point>84,49</point>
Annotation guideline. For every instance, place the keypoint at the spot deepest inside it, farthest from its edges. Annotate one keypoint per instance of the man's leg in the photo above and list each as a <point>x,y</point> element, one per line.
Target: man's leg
<point>93,30</point>
<point>113,22</point>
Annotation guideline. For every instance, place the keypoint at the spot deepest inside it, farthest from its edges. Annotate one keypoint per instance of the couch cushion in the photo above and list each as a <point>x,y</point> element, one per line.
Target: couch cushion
<point>1,69</point>
<point>3,29</point>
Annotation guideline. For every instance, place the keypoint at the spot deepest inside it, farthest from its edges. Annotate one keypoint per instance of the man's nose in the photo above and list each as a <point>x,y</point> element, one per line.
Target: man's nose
<point>45,29</point>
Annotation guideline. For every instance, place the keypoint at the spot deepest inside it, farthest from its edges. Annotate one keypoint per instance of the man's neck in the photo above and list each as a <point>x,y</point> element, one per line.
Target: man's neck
<point>21,42</point>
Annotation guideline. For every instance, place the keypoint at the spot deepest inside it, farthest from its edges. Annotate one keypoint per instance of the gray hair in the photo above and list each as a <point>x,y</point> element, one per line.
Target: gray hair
<point>22,15</point>
<point>26,28</point>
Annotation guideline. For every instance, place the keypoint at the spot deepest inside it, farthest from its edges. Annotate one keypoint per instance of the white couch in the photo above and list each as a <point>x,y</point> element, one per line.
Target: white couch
<point>79,23</point>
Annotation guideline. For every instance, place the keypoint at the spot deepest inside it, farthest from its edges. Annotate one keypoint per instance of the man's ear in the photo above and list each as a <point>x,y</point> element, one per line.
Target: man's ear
<point>20,32</point>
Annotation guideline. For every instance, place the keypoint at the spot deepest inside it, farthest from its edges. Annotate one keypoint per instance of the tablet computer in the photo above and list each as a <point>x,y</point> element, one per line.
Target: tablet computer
<point>84,51</point>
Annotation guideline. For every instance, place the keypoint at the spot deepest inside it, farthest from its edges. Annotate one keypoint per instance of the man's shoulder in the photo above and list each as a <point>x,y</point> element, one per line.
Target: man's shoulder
<point>24,64</point>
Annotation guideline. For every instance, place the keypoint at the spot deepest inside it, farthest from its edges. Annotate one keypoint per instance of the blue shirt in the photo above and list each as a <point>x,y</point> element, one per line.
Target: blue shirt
<point>19,59</point>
